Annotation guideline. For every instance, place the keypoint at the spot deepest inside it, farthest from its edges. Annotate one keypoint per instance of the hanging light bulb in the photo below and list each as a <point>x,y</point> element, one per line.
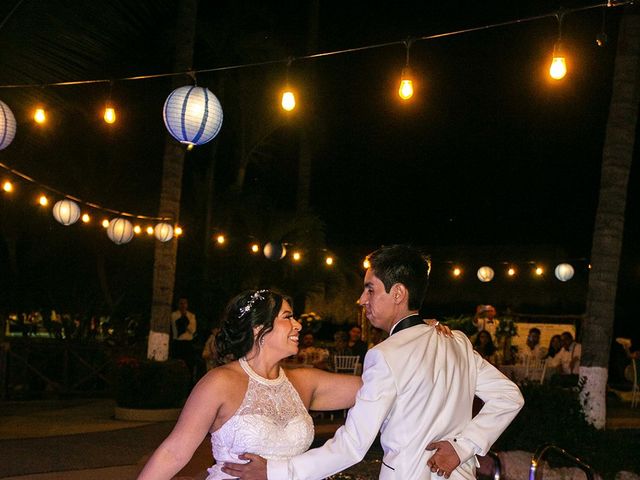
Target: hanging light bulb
<point>558,68</point>
<point>137,229</point>
<point>85,218</point>
<point>43,200</point>
<point>405,91</point>
<point>255,248</point>
<point>288,100</point>
<point>40,116</point>
<point>7,186</point>
<point>366,264</point>
<point>329,261</point>
<point>109,115</point>
<point>178,231</point>
<point>296,256</point>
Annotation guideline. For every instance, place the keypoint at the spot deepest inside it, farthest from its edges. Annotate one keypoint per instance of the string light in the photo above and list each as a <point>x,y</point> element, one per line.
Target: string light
<point>255,248</point>
<point>366,264</point>
<point>43,200</point>
<point>296,256</point>
<point>150,230</point>
<point>7,186</point>
<point>220,239</point>
<point>178,231</point>
<point>137,229</point>
<point>539,271</point>
<point>558,68</point>
<point>456,272</point>
<point>109,115</point>
<point>85,218</point>
<point>329,261</point>
<point>39,115</point>
<point>288,101</point>
<point>405,91</point>
<point>511,271</point>
<point>105,223</point>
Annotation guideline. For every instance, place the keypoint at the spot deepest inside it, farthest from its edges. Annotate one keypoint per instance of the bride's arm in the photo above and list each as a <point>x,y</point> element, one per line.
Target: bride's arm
<point>197,416</point>
<point>330,391</point>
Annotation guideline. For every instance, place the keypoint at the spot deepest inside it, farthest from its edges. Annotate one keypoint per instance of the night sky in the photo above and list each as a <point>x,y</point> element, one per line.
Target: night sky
<point>489,151</point>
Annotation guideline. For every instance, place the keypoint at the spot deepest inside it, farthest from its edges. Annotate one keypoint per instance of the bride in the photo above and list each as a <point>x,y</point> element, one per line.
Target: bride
<point>250,404</point>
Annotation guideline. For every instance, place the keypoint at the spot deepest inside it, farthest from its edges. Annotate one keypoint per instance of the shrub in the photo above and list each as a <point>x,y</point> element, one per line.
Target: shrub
<point>151,384</point>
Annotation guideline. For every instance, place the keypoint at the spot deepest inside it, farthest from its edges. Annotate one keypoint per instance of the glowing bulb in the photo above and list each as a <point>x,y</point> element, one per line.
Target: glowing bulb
<point>86,218</point>
<point>406,84</point>
<point>109,115</point>
<point>43,200</point>
<point>288,101</point>
<point>220,239</point>
<point>137,229</point>
<point>511,272</point>
<point>296,256</point>
<point>150,230</point>
<point>366,264</point>
<point>457,272</point>
<point>255,248</point>
<point>177,231</point>
<point>39,116</point>
<point>328,261</point>
<point>7,186</point>
<point>539,271</point>
<point>558,68</point>
<point>105,223</point>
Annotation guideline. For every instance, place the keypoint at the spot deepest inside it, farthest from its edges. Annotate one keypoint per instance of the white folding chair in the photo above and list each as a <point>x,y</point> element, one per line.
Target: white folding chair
<point>535,369</point>
<point>346,364</point>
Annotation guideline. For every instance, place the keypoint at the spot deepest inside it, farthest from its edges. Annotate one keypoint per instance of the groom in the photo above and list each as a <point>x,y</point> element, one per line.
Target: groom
<point>418,387</point>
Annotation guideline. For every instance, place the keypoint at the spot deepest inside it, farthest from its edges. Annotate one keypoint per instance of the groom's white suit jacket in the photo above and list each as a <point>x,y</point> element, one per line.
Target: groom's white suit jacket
<point>418,387</point>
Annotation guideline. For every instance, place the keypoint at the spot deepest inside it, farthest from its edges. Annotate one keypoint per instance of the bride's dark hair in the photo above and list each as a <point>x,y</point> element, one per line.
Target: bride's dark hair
<point>252,308</point>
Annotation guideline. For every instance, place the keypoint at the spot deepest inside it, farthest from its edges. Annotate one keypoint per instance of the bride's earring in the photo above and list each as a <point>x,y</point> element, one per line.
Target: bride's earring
<point>261,342</point>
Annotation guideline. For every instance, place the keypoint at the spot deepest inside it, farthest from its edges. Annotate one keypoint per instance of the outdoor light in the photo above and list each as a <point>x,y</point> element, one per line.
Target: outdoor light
<point>288,100</point>
<point>511,272</point>
<point>558,68</point>
<point>328,261</point>
<point>7,125</point>
<point>539,271</point>
<point>43,200</point>
<point>485,274</point>
<point>457,272</point>
<point>149,230</point>
<point>105,223</point>
<point>220,239</point>
<point>120,231</point>
<point>109,115</point>
<point>255,248</point>
<point>7,186</point>
<point>296,256</point>
<point>366,264</point>
<point>163,232</point>
<point>66,212</point>
<point>86,218</point>
<point>564,272</point>
<point>137,229</point>
<point>177,231</point>
<point>193,115</point>
<point>39,115</point>
<point>405,91</point>
<point>274,251</point>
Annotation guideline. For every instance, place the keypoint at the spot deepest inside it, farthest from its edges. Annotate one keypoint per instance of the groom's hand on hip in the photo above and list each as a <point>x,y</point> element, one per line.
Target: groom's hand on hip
<point>445,460</point>
<point>254,469</point>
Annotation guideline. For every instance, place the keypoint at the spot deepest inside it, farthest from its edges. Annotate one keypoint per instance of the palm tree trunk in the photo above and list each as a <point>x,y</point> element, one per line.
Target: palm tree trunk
<point>609,222</point>
<point>164,266</point>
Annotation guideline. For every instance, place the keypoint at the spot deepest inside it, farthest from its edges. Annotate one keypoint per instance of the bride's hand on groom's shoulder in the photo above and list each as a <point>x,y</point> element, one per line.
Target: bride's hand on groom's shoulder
<point>254,469</point>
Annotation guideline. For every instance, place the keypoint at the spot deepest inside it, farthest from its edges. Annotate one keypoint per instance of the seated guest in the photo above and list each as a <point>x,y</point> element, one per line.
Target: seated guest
<point>569,355</point>
<point>312,355</point>
<point>355,344</point>
<point>485,347</point>
<point>532,351</point>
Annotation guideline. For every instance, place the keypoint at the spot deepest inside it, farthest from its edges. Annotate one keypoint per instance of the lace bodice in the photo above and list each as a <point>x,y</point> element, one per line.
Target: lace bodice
<point>272,422</point>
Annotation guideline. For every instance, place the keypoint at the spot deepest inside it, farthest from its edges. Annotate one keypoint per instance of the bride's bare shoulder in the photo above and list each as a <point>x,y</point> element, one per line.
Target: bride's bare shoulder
<point>230,374</point>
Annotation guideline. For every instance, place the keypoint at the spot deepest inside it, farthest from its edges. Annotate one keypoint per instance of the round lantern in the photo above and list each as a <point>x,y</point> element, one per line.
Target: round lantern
<point>163,232</point>
<point>485,274</point>
<point>564,272</point>
<point>120,230</point>
<point>274,251</point>
<point>66,212</point>
<point>193,115</point>
<point>7,125</point>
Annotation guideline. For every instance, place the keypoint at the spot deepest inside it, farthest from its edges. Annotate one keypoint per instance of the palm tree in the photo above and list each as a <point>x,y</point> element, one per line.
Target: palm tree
<point>609,222</point>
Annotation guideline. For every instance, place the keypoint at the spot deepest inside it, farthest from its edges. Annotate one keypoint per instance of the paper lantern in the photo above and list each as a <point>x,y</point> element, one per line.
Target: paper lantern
<point>564,272</point>
<point>7,125</point>
<point>120,230</point>
<point>66,212</point>
<point>274,251</point>
<point>163,232</point>
<point>485,274</point>
<point>193,115</point>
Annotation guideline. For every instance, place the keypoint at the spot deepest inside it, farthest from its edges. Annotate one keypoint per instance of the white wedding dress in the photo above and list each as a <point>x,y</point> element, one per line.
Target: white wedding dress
<point>271,422</point>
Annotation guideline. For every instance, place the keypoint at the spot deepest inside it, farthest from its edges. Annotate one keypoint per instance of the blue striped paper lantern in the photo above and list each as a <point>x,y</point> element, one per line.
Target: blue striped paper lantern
<point>66,212</point>
<point>7,125</point>
<point>193,115</point>
<point>120,230</point>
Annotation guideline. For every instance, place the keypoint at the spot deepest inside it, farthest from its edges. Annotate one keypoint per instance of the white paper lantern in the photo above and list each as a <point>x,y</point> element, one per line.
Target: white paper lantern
<point>485,274</point>
<point>163,231</point>
<point>564,272</point>
<point>66,212</point>
<point>193,115</point>
<point>7,125</point>
<point>120,230</point>
<point>274,251</point>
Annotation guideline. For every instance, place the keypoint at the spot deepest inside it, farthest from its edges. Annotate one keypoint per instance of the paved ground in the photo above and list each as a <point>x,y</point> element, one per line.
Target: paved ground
<point>80,439</point>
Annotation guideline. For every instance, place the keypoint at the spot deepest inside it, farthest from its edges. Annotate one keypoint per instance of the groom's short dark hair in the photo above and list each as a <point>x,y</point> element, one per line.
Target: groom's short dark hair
<point>402,264</point>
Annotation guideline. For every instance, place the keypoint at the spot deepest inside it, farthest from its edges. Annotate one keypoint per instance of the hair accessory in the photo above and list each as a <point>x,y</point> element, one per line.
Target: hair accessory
<point>257,295</point>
